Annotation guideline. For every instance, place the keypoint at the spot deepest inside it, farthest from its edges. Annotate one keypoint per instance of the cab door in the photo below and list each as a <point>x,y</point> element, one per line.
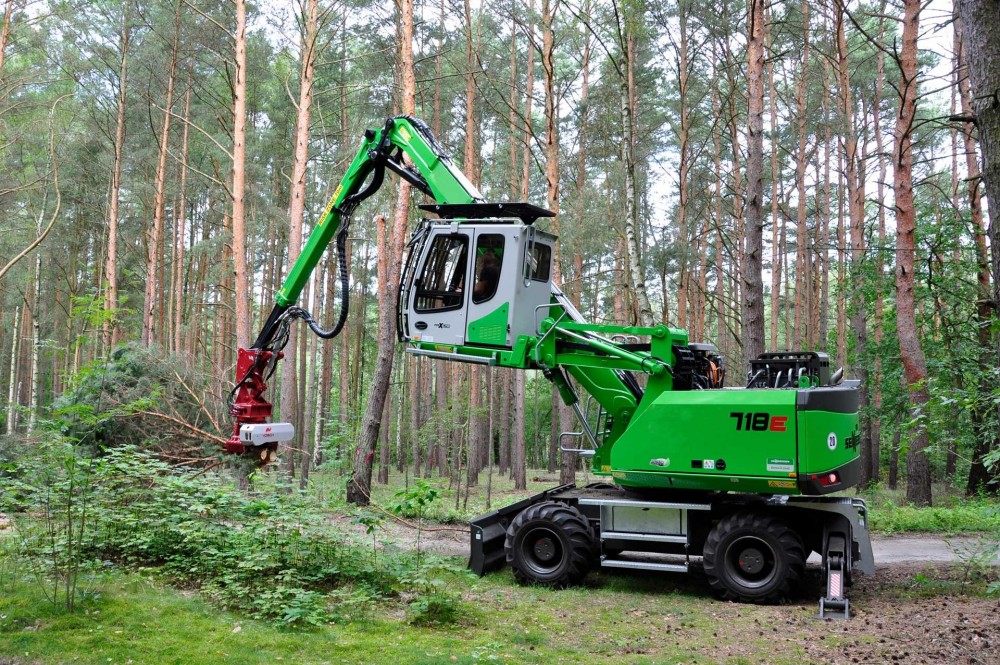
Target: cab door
<point>493,281</point>
<point>436,311</point>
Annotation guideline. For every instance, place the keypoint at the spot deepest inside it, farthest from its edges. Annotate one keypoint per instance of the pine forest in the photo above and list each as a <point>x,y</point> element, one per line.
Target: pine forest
<point>795,175</point>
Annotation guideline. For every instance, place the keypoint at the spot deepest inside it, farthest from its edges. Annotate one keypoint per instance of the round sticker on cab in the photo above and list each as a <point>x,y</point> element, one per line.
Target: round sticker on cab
<point>831,441</point>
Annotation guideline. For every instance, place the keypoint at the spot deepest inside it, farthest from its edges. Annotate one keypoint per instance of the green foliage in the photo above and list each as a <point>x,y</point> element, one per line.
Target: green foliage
<point>110,402</point>
<point>268,554</point>
<point>414,500</point>
<point>434,609</point>
<point>972,516</point>
<point>57,487</point>
<point>976,559</point>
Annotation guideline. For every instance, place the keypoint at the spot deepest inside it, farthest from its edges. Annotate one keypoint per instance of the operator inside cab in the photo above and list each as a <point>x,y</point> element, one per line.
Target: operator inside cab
<point>487,276</point>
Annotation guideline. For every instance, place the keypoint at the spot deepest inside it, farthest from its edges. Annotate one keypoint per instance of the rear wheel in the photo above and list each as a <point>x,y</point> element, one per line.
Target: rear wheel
<point>551,544</point>
<point>753,558</point>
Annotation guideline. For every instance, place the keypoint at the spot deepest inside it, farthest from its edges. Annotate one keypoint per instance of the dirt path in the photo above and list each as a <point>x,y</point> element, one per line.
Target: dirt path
<point>453,540</point>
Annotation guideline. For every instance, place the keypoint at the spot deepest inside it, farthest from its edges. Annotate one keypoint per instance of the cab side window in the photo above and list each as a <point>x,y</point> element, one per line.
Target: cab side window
<point>443,277</point>
<point>489,262</point>
<point>541,262</point>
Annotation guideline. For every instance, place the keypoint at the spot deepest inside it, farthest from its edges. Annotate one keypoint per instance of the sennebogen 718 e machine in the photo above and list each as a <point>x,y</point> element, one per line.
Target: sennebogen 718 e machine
<point>733,476</point>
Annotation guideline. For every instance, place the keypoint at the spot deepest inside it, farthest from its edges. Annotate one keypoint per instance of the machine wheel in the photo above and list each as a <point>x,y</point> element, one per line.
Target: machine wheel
<point>753,558</point>
<point>551,544</point>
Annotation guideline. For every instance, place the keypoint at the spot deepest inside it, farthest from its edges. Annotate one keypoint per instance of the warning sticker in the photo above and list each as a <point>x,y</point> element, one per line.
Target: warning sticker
<point>779,465</point>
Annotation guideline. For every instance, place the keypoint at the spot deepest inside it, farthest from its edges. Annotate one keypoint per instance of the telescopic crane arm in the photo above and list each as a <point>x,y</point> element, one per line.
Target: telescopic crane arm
<point>429,170</point>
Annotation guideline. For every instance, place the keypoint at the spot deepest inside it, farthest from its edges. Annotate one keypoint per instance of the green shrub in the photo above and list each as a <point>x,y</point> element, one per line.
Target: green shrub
<point>267,555</point>
<point>971,516</point>
<point>434,609</point>
<point>112,401</point>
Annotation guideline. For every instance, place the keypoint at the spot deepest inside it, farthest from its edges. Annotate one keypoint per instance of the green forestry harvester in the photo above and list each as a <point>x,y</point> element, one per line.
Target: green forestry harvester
<point>733,476</point>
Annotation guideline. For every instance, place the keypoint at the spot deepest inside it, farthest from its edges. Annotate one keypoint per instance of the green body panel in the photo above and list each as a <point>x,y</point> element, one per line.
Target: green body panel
<point>815,429</point>
<point>490,329</point>
<point>690,439</point>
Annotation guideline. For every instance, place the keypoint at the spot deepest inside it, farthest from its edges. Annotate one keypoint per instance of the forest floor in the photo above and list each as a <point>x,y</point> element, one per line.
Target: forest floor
<point>905,613</point>
<point>927,603</point>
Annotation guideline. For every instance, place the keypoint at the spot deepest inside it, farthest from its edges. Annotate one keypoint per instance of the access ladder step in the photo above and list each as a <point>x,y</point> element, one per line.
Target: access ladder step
<point>644,537</point>
<point>644,565</point>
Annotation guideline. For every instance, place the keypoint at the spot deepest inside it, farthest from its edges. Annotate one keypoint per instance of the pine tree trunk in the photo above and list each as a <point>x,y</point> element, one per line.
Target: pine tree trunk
<point>419,370</point>
<point>879,263</point>
<point>475,443</point>
<point>359,489</point>
<point>5,30</point>
<point>683,166</point>
<point>110,330</point>
<point>980,26</point>
<point>753,285</point>
<point>801,232</point>
<point>12,377</point>
<point>33,404</point>
<point>519,443</point>
<point>636,271</point>
<point>776,221</point>
<point>241,284</point>
<point>155,287</point>
<point>918,479</point>
<point>180,222</point>
<point>856,211</point>
<point>290,380</point>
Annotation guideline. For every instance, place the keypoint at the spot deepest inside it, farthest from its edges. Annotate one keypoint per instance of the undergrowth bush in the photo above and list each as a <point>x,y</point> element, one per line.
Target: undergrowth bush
<point>970,516</point>
<point>267,554</point>
<point>138,395</point>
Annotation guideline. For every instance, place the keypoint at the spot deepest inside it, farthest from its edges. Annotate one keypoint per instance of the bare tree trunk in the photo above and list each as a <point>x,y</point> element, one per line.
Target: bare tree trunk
<point>416,421</point>
<point>180,222</point>
<point>475,443</point>
<point>241,285</point>
<point>12,377</point>
<point>290,380</point>
<point>359,489</point>
<point>5,30</point>
<point>529,85</point>
<point>35,337</point>
<point>110,330</point>
<point>801,232</point>
<point>981,48</point>
<point>879,262</point>
<point>775,176</point>
<point>753,285</point>
<point>154,288</point>
<point>518,445</point>
<point>637,271</point>
<point>683,166</point>
<point>824,242</point>
<point>841,267</point>
<point>918,479</point>
<point>384,449</point>
<point>856,211</point>
<point>436,448</point>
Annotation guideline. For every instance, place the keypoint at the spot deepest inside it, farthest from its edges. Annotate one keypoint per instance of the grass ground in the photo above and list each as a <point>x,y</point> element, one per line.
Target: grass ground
<point>914,614</point>
<point>627,618</point>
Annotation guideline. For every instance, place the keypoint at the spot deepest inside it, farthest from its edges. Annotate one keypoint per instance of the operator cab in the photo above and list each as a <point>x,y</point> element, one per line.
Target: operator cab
<point>479,276</point>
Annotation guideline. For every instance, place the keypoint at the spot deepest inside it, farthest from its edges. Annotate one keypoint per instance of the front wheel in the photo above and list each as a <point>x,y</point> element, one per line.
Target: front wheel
<point>550,544</point>
<point>753,558</point>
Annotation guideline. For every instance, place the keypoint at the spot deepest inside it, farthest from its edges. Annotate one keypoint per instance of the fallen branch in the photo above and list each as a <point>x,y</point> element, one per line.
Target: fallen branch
<point>201,403</point>
<point>177,421</point>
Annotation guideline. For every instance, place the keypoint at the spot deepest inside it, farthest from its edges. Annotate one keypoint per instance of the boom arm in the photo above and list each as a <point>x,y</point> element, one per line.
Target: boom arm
<point>431,172</point>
